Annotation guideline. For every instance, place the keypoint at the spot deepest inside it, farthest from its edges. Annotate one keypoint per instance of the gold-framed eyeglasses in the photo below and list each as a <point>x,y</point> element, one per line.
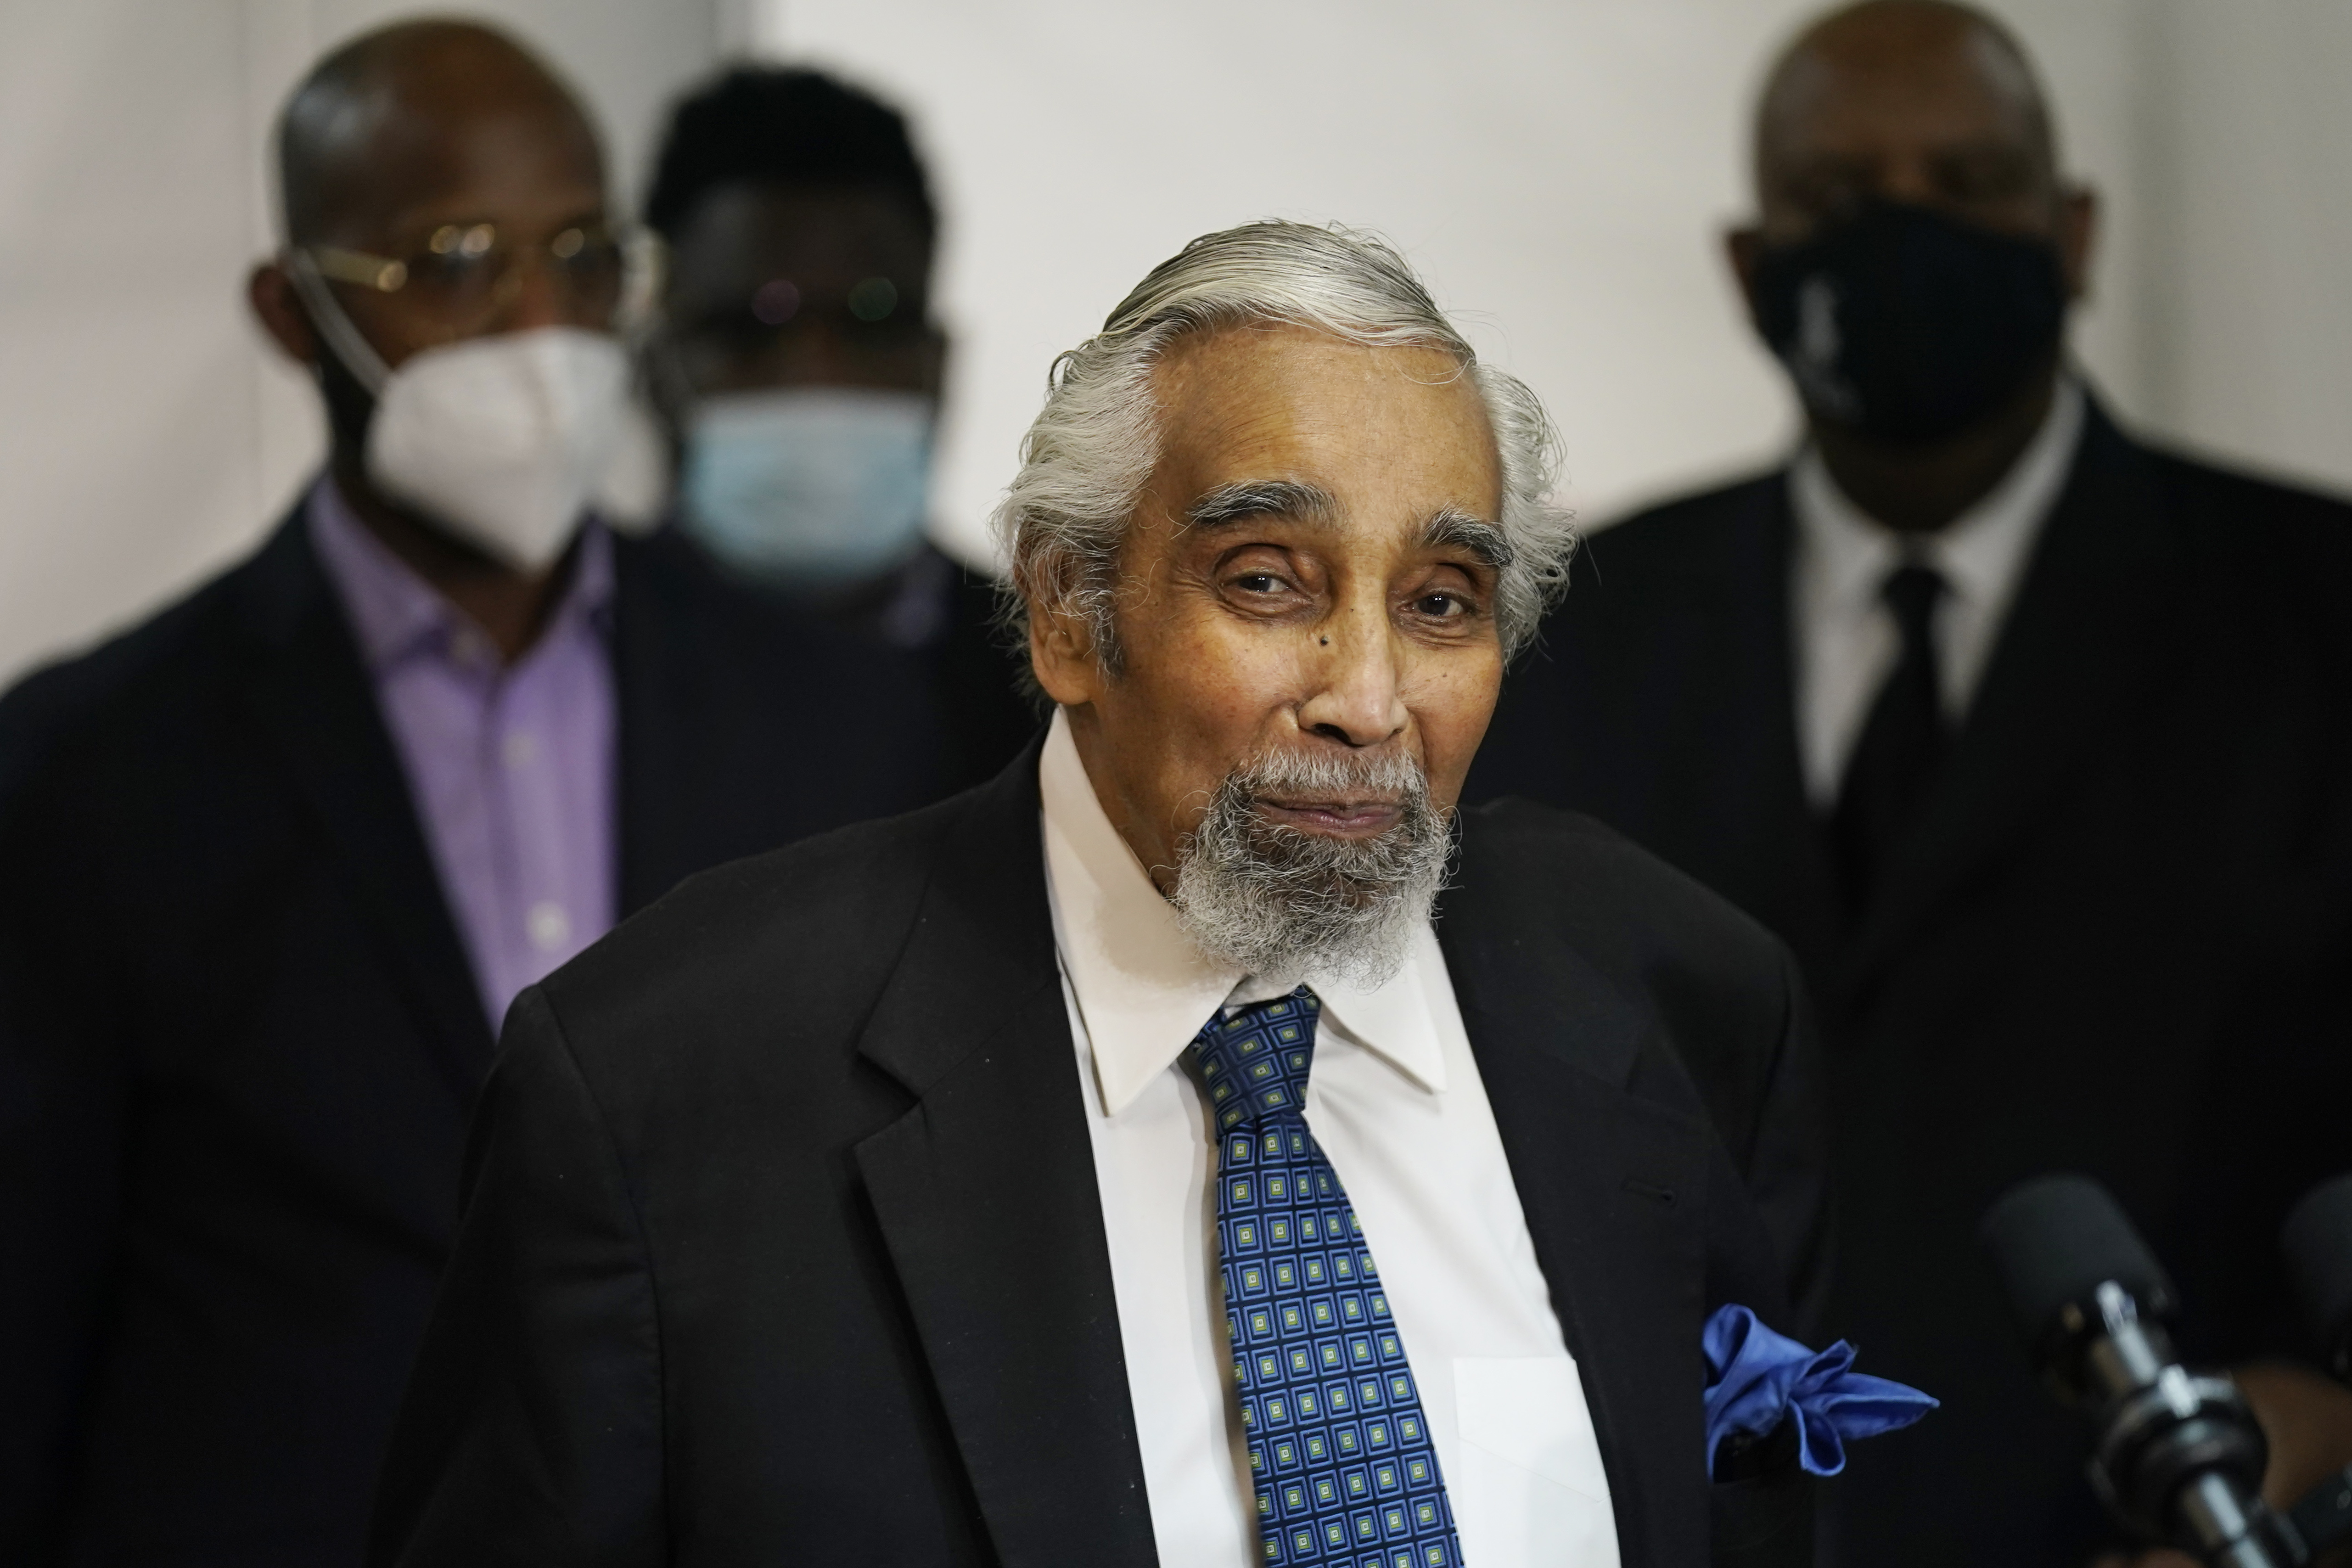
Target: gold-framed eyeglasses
<point>466,273</point>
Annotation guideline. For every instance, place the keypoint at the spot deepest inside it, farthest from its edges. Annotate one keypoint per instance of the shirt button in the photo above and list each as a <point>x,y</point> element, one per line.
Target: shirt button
<point>548,926</point>
<point>520,749</point>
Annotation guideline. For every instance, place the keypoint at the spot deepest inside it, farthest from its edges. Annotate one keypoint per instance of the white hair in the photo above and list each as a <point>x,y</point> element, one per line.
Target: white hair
<point>1088,454</point>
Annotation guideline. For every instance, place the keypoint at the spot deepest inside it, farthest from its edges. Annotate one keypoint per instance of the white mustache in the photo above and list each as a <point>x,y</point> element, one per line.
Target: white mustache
<point>1384,778</point>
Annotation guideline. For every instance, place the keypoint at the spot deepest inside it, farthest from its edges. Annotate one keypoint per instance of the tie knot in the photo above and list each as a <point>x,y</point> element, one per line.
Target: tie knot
<point>1912,592</point>
<point>1254,1064</point>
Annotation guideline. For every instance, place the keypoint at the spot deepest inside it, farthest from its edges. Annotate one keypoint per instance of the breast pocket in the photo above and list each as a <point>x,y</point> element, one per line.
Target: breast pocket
<point>1532,1490</point>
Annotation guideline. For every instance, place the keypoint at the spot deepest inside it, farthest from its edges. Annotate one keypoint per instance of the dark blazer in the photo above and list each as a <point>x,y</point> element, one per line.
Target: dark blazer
<point>2115,944</point>
<point>942,616</point>
<point>240,1037</point>
<point>988,718</point>
<point>782,1241</point>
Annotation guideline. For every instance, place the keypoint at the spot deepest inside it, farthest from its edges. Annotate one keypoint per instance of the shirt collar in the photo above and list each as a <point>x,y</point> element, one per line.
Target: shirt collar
<point>397,616</point>
<point>1981,551</point>
<point>1143,990</point>
<point>1978,553</point>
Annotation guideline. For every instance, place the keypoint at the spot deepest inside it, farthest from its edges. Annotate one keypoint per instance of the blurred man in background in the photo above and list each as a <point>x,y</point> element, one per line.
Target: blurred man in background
<point>277,861</point>
<point>2031,740</point>
<point>799,369</point>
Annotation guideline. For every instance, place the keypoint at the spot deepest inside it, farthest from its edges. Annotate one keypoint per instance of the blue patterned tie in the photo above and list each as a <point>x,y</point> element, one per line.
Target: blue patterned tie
<point>1338,1448</point>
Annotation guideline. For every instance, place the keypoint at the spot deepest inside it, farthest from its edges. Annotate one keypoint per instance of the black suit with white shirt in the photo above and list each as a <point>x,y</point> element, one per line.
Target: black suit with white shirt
<point>783,1239</point>
<point>2113,940</point>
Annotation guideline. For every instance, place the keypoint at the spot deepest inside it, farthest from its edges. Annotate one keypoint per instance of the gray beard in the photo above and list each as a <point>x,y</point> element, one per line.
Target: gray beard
<point>1288,906</point>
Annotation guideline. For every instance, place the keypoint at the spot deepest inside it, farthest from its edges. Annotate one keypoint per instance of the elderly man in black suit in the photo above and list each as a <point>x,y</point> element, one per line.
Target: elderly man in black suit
<point>1201,1144</point>
<point>2035,743</point>
<point>274,862</point>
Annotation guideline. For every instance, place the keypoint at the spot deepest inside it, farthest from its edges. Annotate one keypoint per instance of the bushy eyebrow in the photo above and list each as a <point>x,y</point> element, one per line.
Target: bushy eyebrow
<point>1450,528</point>
<point>1263,497</point>
<point>1458,529</point>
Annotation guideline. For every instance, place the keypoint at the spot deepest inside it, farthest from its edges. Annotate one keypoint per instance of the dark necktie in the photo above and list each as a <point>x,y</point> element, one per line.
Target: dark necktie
<point>1902,745</point>
<point>1338,1448</point>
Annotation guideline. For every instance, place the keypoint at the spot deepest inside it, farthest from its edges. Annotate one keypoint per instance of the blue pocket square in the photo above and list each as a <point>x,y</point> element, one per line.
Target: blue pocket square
<point>1758,1378</point>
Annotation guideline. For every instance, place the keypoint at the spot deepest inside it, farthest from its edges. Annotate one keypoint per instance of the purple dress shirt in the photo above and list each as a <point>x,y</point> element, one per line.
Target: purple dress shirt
<point>511,767</point>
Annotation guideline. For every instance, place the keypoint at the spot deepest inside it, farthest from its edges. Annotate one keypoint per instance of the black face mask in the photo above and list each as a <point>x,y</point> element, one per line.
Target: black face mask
<point>1907,325</point>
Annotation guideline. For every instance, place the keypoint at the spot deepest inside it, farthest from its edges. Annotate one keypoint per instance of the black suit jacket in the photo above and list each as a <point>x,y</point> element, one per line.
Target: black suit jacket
<point>239,1036</point>
<point>943,618</point>
<point>2114,945</point>
<point>782,1243</point>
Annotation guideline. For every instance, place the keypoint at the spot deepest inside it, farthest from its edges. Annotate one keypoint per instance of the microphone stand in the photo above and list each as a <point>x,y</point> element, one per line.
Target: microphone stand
<point>2174,1446</point>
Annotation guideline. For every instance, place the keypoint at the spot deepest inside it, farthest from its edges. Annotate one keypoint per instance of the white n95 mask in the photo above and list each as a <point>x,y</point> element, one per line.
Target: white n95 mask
<point>808,486</point>
<point>502,440</point>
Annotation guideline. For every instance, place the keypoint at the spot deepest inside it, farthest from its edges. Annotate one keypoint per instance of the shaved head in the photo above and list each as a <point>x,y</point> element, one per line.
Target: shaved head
<point>1915,100</point>
<point>397,115</point>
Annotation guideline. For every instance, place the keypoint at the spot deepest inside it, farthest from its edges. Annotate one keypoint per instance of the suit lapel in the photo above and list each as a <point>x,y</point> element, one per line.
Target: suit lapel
<point>2080,639</point>
<point>1684,733</point>
<point>1611,1185</point>
<point>985,1193</point>
<point>1766,791</point>
<point>311,695</point>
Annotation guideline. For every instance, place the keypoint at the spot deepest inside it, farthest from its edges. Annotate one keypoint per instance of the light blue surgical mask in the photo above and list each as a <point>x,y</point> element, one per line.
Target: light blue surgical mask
<point>811,488</point>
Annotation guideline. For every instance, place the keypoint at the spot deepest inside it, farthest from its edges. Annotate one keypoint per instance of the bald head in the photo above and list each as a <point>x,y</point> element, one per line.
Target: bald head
<point>1916,100</point>
<point>398,118</point>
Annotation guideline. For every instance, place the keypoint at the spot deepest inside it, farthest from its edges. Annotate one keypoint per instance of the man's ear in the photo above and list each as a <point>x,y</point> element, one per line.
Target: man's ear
<point>936,345</point>
<point>1742,247</point>
<point>2078,233</point>
<point>1062,654</point>
<point>278,308</point>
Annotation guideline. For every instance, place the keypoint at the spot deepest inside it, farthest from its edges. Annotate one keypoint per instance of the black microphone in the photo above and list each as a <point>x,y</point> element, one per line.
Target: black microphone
<point>2317,1241</point>
<point>2178,1455</point>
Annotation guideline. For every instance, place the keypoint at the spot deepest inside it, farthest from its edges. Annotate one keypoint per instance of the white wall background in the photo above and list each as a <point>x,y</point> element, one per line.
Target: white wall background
<point>2246,126</point>
<point>1559,168</point>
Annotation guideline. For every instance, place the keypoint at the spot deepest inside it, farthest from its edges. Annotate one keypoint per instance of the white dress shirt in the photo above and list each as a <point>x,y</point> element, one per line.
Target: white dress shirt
<point>1396,1102</point>
<point>1846,639</point>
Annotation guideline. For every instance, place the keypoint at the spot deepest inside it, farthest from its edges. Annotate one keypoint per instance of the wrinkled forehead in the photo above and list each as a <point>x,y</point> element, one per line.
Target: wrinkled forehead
<point>1386,433</point>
